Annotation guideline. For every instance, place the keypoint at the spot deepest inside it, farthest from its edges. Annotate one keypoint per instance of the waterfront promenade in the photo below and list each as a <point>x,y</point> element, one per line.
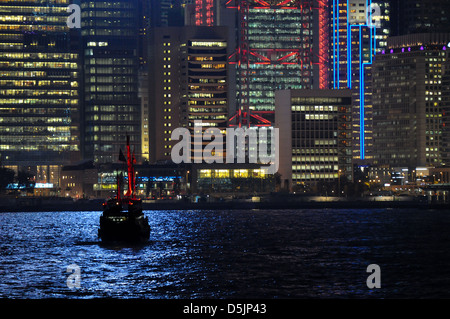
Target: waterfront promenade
<point>273,202</point>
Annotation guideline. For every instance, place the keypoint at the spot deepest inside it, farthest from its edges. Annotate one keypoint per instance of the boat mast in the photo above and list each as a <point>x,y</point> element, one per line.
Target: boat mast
<point>130,164</point>
<point>119,179</point>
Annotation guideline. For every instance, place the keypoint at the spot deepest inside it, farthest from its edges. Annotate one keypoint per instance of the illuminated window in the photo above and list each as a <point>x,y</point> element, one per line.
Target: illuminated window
<point>205,173</point>
<point>221,173</point>
<point>240,173</point>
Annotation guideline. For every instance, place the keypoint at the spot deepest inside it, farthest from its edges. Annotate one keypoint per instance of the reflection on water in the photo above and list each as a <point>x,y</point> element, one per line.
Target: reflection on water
<point>220,254</point>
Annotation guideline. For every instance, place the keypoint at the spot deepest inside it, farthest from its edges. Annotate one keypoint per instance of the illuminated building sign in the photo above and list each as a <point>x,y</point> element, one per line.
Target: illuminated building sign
<point>43,185</point>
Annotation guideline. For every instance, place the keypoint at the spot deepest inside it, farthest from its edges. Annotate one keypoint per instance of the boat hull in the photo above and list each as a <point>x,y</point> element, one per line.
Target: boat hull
<point>124,228</point>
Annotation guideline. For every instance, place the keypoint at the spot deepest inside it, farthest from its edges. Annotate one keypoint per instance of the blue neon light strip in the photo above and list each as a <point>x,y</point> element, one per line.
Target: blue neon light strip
<point>361,98</point>
<point>372,33</point>
<point>338,45</point>
<point>334,44</point>
<point>349,49</point>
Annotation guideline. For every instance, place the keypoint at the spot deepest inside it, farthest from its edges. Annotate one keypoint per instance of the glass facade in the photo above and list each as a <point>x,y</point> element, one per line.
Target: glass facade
<point>420,16</point>
<point>281,40</point>
<point>111,107</point>
<point>39,84</point>
<point>276,51</point>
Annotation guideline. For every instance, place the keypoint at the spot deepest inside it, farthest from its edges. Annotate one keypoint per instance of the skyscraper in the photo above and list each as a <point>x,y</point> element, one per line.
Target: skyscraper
<point>207,97</point>
<point>39,87</point>
<point>111,106</point>
<point>445,140</point>
<point>159,13</point>
<point>167,13</point>
<point>164,91</point>
<point>408,101</point>
<point>359,29</point>
<point>275,51</point>
<point>420,16</point>
<point>188,83</point>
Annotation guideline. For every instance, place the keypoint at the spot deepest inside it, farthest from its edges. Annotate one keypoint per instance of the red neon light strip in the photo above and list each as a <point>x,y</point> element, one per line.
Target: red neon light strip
<point>323,35</point>
<point>287,56</point>
<point>284,2</point>
<point>232,118</point>
<point>260,118</point>
<point>263,3</point>
<point>260,56</point>
<point>246,56</point>
<point>275,50</point>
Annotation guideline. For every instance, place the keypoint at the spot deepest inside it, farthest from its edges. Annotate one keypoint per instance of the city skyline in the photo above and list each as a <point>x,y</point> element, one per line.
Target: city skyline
<point>143,68</point>
<point>226,154</point>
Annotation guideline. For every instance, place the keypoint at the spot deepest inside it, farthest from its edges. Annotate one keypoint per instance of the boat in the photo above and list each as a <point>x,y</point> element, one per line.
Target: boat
<point>122,218</point>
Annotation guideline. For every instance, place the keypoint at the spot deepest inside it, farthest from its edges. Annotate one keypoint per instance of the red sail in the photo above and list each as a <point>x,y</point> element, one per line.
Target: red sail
<point>133,161</point>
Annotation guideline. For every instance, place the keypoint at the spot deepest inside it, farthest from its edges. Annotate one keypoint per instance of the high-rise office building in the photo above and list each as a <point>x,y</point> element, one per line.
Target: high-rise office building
<point>111,106</point>
<point>167,13</point>
<point>159,12</point>
<point>39,87</point>
<point>315,136</point>
<point>276,50</point>
<point>164,91</point>
<point>188,83</point>
<point>205,61</point>
<point>420,16</point>
<point>359,30</point>
<point>408,101</point>
<point>445,141</point>
<point>347,17</point>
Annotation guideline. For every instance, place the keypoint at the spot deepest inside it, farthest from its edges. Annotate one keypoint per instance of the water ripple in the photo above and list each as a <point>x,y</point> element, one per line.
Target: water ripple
<point>230,254</point>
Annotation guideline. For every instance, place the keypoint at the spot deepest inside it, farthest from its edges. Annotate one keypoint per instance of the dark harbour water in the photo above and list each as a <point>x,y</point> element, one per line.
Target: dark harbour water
<point>231,254</point>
